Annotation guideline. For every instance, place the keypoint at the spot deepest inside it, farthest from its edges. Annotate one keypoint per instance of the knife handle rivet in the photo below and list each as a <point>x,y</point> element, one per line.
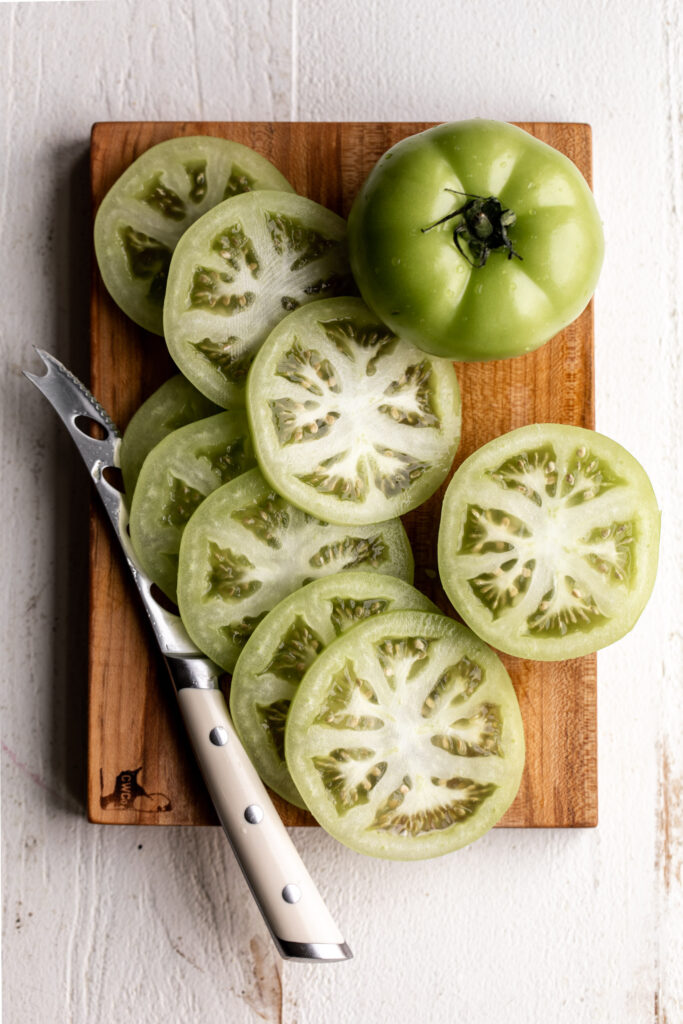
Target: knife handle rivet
<point>218,736</point>
<point>291,893</point>
<point>254,814</point>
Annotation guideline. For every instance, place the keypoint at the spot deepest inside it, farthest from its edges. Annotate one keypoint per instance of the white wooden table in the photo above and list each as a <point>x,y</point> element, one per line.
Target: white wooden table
<point>129,926</point>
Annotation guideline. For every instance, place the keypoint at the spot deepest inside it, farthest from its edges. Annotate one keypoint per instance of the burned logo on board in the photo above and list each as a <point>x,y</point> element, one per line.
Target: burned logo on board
<point>128,794</point>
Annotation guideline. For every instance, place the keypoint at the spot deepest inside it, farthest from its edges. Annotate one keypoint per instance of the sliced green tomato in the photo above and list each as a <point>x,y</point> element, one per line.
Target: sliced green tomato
<point>173,405</point>
<point>350,422</point>
<point>284,646</point>
<point>154,201</point>
<point>405,738</point>
<point>548,541</point>
<point>175,478</point>
<point>236,274</point>
<point>246,548</point>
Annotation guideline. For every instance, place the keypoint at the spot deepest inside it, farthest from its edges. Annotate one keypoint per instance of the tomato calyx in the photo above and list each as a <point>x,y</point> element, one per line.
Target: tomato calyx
<point>484,227</point>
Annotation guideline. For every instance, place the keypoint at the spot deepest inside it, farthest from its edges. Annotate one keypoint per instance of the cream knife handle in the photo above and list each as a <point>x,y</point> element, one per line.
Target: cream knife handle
<point>300,923</point>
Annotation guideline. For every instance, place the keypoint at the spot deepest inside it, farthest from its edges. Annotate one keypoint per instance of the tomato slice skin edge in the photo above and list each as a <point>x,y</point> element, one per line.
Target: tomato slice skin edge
<point>366,428</point>
<point>424,771</point>
<point>177,475</point>
<point>149,206</point>
<point>174,404</point>
<point>276,655</point>
<point>594,538</point>
<point>246,548</point>
<point>235,274</point>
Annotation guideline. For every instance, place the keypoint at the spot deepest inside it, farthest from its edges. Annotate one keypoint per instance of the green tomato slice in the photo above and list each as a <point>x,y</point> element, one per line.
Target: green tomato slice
<point>176,476</point>
<point>237,272</point>
<point>405,738</point>
<point>419,265</point>
<point>173,405</point>
<point>548,541</point>
<point>246,548</point>
<point>155,200</point>
<point>350,422</point>
<point>284,646</point>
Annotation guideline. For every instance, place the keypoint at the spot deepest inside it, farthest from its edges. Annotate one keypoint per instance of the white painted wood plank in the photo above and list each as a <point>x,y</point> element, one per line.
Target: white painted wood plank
<point>101,925</point>
<point>669,850</point>
<point>533,927</point>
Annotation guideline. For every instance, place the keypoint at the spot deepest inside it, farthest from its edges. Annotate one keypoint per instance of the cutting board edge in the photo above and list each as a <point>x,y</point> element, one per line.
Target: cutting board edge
<point>96,814</point>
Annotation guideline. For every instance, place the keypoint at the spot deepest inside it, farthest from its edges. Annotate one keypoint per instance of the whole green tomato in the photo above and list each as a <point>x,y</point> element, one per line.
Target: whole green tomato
<point>475,240</point>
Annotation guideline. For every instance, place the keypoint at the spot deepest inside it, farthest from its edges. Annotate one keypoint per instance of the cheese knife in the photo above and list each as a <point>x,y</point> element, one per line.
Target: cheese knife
<point>301,926</point>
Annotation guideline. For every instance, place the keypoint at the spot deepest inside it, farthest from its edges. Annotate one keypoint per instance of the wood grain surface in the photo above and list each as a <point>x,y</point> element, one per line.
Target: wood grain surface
<point>140,767</point>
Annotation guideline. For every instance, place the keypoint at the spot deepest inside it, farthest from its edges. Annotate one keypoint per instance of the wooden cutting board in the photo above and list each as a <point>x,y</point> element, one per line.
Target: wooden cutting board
<point>140,768</point>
